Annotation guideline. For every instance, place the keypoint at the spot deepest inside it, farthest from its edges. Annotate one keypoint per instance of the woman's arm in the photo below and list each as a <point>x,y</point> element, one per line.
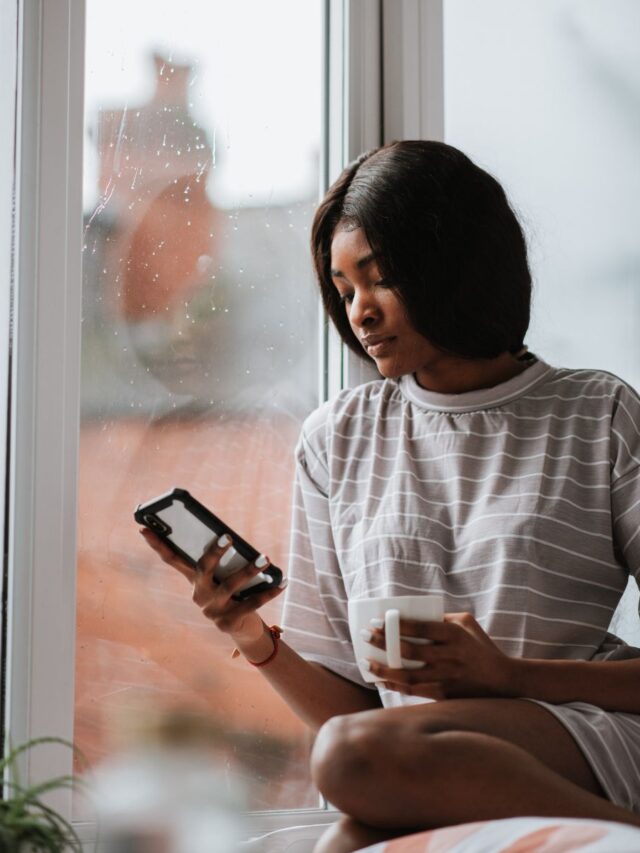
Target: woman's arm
<point>463,661</point>
<point>312,692</point>
<point>611,685</point>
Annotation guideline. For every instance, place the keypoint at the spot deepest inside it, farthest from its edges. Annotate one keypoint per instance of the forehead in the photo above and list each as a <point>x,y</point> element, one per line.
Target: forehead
<point>348,247</point>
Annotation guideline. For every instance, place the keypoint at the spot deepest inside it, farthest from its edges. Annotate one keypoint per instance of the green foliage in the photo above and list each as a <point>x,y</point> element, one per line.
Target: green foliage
<point>27,825</point>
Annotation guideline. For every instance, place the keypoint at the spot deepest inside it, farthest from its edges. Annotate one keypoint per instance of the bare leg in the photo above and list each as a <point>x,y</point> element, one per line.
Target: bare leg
<point>348,834</point>
<point>404,769</point>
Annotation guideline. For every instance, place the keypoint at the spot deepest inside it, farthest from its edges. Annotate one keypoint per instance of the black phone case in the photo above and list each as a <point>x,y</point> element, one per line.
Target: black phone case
<point>146,515</point>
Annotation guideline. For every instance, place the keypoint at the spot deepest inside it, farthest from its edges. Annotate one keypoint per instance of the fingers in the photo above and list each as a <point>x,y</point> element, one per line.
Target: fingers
<point>423,648</point>
<point>233,613</point>
<point>439,663</point>
<point>433,690</point>
<point>208,563</point>
<point>167,555</point>
<point>428,652</point>
<point>410,679</point>
<point>235,582</point>
<point>438,632</point>
<point>231,583</point>
<point>469,624</point>
<point>216,599</point>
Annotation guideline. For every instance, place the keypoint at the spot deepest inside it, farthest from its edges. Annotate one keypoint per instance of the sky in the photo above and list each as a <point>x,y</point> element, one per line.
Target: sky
<point>257,83</point>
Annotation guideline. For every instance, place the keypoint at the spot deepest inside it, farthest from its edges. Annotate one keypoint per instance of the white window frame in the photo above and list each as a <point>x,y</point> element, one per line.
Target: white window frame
<point>366,41</point>
<point>408,104</point>
<point>45,381</point>
<point>8,50</point>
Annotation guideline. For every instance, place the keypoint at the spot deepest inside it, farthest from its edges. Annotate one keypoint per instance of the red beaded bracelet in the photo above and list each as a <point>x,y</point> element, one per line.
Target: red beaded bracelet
<point>276,633</point>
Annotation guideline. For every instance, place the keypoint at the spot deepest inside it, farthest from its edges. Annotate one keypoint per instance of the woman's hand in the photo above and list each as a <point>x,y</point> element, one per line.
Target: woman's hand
<point>236,618</point>
<point>461,660</point>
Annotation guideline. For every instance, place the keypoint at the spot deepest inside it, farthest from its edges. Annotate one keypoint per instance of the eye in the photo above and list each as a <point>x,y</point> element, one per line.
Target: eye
<point>345,298</point>
<point>384,282</point>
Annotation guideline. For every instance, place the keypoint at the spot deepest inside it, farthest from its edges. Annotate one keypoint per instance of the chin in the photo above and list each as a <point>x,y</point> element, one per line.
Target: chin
<point>390,370</point>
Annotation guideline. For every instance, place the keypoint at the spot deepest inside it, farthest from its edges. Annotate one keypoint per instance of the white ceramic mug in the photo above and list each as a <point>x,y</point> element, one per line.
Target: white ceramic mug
<point>390,609</point>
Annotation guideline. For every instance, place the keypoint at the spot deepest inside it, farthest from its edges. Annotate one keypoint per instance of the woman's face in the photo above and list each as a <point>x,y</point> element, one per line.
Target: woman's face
<point>375,313</point>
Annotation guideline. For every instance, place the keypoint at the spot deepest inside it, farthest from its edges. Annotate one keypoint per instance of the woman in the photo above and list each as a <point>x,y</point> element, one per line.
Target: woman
<point>471,469</point>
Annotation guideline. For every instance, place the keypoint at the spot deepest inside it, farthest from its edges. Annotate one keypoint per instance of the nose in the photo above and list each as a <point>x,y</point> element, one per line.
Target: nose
<point>364,309</point>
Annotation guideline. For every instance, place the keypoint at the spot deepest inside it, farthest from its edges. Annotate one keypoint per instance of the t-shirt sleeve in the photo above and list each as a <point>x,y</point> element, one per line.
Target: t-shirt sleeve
<point>315,607</point>
<point>625,480</point>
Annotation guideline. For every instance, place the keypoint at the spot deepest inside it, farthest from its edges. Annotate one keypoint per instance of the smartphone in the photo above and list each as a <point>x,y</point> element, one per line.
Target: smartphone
<point>189,529</point>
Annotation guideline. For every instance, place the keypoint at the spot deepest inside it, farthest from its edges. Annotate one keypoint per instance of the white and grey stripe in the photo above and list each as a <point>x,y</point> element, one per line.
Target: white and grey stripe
<point>519,503</point>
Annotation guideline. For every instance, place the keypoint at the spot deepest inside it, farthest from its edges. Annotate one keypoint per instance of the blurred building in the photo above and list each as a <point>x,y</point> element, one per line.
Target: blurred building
<point>187,306</point>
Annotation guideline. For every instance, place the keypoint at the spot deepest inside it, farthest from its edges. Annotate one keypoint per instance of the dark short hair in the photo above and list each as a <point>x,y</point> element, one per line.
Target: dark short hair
<point>447,239</point>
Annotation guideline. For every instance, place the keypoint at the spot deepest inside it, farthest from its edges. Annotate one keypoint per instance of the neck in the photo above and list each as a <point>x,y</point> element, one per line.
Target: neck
<point>451,375</point>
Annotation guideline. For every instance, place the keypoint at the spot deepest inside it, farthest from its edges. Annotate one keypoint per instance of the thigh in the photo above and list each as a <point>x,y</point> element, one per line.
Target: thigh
<point>525,724</point>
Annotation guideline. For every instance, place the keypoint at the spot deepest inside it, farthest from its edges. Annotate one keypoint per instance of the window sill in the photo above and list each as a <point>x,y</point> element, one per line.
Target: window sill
<point>264,831</point>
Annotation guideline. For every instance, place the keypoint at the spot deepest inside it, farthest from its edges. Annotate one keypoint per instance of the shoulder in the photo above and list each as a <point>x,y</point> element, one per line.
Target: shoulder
<point>598,405</point>
<point>361,401</point>
<point>345,410</point>
<point>588,389</point>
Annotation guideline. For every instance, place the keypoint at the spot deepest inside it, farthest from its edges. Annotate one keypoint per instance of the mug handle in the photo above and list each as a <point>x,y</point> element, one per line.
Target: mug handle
<point>392,638</point>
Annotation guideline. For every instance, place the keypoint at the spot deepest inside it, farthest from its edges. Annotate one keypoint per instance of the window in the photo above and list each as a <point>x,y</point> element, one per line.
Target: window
<point>8,26</point>
<point>162,375</point>
<point>506,120</point>
<point>199,348</point>
<point>544,95</point>
<point>558,130</point>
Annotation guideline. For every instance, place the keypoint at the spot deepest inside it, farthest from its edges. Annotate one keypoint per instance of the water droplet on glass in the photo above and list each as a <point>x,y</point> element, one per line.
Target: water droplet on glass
<point>203,263</point>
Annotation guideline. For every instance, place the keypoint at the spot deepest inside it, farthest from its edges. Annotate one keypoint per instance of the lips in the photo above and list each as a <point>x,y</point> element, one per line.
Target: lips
<point>377,345</point>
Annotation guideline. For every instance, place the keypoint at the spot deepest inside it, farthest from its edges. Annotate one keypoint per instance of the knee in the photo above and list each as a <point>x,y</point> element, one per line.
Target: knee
<point>346,834</point>
<point>346,755</point>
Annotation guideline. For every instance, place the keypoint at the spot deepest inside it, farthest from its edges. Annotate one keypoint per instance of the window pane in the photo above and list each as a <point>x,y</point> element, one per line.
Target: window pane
<point>544,94</point>
<point>199,357</point>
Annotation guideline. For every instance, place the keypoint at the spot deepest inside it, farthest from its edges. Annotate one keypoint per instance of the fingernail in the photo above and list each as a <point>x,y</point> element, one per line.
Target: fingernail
<point>284,583</point>
<point>262,561</point>
<point>376,623</point>
<point>364,664</point>
<point>366,634</point>
<point>224,540</point>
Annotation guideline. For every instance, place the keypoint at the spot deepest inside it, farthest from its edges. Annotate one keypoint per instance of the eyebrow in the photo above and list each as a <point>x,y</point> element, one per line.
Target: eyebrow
<point>360,264</point>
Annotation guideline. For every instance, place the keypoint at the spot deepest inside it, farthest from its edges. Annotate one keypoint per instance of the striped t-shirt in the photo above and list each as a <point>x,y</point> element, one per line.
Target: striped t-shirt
<point>519,504</point>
